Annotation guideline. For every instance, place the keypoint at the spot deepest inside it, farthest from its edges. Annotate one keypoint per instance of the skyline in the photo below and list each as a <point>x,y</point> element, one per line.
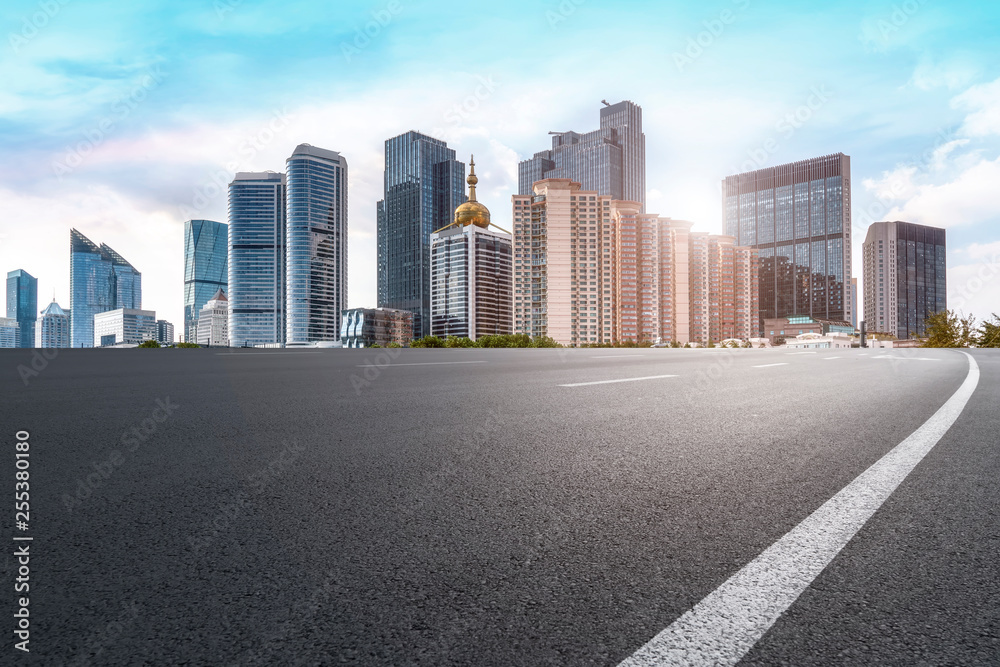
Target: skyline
<point>911,96</point>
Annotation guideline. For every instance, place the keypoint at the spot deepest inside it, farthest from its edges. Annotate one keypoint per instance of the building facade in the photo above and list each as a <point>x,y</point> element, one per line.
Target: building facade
<point>124,326</point>
<point>798,216</point>
<point>905,277</point>
<point>100,280</point>
<point>22,304</point>
<point>213,321</point>
<point>610,161</point>
<point>257,210</point>
<point>423,187</point>
<point>367,327</point>
<point>589,269</point>
<point>164,332</point>
<point>788,328</point>
<point>52,329</point>
<point>316,261</point>
<point>10,333</point>
<point>206,268</point>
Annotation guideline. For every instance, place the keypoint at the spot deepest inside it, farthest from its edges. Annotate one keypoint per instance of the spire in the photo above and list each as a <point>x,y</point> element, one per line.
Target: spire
<point>472,180</point>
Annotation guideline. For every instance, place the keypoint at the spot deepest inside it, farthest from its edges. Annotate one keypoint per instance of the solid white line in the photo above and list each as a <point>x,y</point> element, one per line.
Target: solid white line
<point>720,629</point>
<point>587,384</point>
<point>828,358</point>
<point>771,365</point>
<point>427,363</point>
<point>621,356</point>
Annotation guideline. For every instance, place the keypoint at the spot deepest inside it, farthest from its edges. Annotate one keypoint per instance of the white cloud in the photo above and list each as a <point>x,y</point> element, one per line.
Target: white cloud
<point>967,199</point>
<point>983,103</point>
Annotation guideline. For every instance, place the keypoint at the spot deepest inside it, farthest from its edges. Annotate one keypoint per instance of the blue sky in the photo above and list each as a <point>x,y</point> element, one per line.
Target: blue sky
<point>122,119</point>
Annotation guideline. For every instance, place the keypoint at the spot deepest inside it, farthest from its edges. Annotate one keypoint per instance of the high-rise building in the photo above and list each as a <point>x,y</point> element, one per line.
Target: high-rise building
<point>471,272</point>
<point>10,333</point>
<point>905,276</point>
<point>213,321</point>
<point>423,187</point>
<point>589,269</point>
<point>257,209</point>
<point>798,216</point>
<point>316,253</point>
<point>367,327</point>
<point>610,161</point>
<point>164,332</point>
<point>22,304</point>
<point>100,280</point>
<point>124,326</point>
<point>206,268</point>
<point>52,329</point>
<point>855,305</point>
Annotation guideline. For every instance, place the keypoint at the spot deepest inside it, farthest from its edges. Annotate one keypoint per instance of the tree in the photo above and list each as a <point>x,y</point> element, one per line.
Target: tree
<point>989,333</point>
<point>187,345</point>
<point>394,345</point>
<point>149,343</point>
<point>948,329</point>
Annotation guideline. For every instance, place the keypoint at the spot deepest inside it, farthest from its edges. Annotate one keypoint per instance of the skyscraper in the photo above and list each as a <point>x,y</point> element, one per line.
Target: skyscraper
<point>905,271</point>
<point>798,216</point>
<point>100,280</point>
<point>164,332</point>
<point>213,321</point>
<point>52,329</point>
<point>257,259</point>
<point>423,187</point>
<point>206,268</point>
<point>610,160</point>
<point>471,273</point>
<point>22,304</point>
<point>316,253</point>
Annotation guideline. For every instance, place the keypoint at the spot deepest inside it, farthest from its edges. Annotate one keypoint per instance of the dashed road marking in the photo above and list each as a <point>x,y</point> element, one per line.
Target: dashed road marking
<point>771,365</point>
<point>426,363</point>
<point>587,384</point>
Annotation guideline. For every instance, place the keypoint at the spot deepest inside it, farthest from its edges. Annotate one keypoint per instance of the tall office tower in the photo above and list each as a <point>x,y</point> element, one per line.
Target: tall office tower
<point>257,259</point>
<point>905,271</point>
<point>471,272</point>
<point>164,332</point>
<point>316,255</point>
<point>22,304</point>
<point>100,280</point>
<point>52,329</point>
<point>213,321</point>
<point>610,161</point>
<point>588,269</point>
<point>423,187</point>
<point>206,268</point>
<point>799,217</point>
<point>855,306</point>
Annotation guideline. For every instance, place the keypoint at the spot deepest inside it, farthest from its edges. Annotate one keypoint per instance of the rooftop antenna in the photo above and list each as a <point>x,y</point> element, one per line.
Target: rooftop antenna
<point>605,103</point>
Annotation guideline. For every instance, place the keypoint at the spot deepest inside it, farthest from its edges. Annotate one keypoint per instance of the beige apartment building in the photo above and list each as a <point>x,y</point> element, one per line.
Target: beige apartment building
<point>589,269</point>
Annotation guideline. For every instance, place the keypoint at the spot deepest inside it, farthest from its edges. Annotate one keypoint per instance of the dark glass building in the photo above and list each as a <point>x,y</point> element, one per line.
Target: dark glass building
<point>206,268</point>
<point>316,253</point>
<point>100,280</point>
<point>257,259</point>
<point>905,271</point>
<point>798,216</point>
<point>423,187</point>
<point>22,305</point>
<point>610,161</point>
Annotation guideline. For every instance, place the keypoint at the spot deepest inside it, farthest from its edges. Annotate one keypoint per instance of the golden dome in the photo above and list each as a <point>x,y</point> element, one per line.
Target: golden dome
<point>472,212</point>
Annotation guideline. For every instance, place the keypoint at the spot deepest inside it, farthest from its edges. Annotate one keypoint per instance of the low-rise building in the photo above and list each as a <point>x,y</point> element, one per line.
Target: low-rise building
<point>367,327</point>
<point>830,341</point>
<point>164,332</point>
<point>52,329</point>
<point>10,332</point>
<point>213,321</point>
<point>788,328</point>
<point>124,326</point>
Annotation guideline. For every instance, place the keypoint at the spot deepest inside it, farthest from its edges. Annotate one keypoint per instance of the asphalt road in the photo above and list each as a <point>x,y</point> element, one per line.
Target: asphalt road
<point>464,507</point>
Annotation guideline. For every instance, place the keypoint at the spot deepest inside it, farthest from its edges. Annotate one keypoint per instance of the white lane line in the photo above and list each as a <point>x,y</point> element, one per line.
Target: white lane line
<point>587,384</point>
<point>426,363</point>
<point>720,629</point>
<point>771,365</point>
<point>886,356</point>
<point>259,354</point>
<point>792,354</point>
<point>829,358</point>
<point>621,356</point>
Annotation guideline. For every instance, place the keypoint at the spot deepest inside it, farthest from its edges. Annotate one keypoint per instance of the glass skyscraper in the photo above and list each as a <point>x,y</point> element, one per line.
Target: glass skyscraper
<point>257,259</point>
<point>316,244</point>
<point>798,216</point>
<point>206,268</point>
<point>100,280</point>
<point>22,304</point>
<point>610,160</point>
<point>424,184</point>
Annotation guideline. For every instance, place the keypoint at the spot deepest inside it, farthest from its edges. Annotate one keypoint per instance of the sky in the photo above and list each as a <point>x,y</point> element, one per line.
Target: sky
<point>123,120</point>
